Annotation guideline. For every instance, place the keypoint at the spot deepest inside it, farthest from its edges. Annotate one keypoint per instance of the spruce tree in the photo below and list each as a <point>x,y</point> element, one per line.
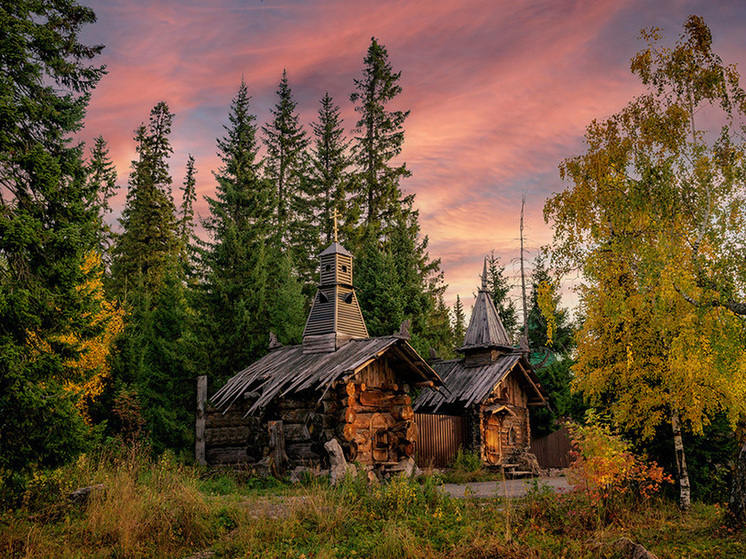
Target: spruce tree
<point>393,247</point>
<point>379,294</point>
<point>286,166</point>
<point>185,227</point>
<point>152,363</point>
<point>398,281</point>
<point>102,184</point>
<point>498,287</point>
<point>148,241</point>
<point>286,160</point>
<point>459,322</point>
<point>330,179</point>
<point>48,224</point>
<point>167,348</point>
<point>380,139</point>
<point>440,331</point>
<point>246,271</point>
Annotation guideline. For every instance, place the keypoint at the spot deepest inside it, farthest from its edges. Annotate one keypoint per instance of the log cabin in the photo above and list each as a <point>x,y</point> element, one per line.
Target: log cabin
<point>339,383</point>
<point>491,388</point>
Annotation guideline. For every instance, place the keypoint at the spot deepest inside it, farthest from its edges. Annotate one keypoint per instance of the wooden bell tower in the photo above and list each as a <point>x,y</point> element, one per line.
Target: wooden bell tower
<point>335,316</point>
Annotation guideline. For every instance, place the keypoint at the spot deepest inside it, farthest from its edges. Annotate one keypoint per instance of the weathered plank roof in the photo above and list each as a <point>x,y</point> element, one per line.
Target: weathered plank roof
<point>288,370</point>
<point>468,385</point>
<point>485,327</point>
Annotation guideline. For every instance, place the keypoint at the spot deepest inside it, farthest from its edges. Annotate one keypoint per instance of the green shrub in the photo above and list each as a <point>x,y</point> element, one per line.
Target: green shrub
<point>467,461</point>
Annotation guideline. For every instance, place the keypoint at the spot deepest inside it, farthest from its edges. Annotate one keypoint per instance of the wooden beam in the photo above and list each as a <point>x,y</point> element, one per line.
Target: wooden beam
<point>528,376</point>
<point>404,357</point>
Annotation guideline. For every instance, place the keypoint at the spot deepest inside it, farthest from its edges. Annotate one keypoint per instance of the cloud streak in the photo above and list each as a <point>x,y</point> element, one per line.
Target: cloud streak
<point>499,92</point>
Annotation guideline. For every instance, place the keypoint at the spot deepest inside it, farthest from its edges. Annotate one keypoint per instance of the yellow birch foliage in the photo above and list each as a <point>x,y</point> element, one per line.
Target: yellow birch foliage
<point>547,300</point>
<point>108,318</point>
<point>653,219</point>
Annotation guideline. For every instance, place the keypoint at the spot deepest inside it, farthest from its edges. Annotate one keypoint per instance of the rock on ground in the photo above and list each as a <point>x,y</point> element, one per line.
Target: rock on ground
<point>632,550</point>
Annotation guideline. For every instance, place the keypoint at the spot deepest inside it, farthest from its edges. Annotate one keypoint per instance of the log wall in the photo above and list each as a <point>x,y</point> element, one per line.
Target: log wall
<point>377,421</point>
<point>371,417</point>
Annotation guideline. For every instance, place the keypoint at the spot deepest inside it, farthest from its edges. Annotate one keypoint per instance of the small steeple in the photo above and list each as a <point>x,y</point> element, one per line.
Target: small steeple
<point>335,316</point>
<point>485,337</point>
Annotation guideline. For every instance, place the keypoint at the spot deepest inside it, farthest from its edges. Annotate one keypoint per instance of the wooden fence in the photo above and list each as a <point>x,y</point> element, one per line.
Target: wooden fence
<point>553,451</point>
<point>440,436</point>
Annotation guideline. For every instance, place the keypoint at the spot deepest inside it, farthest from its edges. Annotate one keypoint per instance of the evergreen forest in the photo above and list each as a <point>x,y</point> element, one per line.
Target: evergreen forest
<point>107,320</point>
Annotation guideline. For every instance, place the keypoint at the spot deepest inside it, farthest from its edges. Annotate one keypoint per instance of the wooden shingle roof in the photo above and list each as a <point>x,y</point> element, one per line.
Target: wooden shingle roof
<point>288,370</point>
<point>485,327</point>
<point>469,385</point>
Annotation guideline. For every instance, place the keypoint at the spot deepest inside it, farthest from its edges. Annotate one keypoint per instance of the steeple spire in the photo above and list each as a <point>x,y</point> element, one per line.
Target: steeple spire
<point>485,336</point>
<point>335,215</point>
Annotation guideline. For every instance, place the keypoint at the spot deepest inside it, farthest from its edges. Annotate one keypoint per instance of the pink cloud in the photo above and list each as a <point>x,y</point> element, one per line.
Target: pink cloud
<point>499,92</point>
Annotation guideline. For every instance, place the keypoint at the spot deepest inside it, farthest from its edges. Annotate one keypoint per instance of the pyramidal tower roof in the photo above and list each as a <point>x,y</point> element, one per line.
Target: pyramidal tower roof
<point>335,316</point>
<point>485,328</point>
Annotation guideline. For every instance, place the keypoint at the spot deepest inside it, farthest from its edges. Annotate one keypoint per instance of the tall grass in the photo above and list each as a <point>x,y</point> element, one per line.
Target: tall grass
<point>163,509</point>
<point>145,509</point>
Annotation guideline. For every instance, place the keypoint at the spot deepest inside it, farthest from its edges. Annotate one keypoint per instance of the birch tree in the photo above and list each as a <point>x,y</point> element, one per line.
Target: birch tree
<point>653,218</point>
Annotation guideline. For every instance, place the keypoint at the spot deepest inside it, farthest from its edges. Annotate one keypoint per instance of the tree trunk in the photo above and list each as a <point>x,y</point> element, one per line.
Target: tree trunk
<point>737,503</point>
<point>523,277</point>
<point>685,500</point>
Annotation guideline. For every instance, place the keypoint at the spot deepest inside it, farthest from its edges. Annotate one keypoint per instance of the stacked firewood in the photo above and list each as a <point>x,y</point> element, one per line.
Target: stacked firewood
<point>377,423</point>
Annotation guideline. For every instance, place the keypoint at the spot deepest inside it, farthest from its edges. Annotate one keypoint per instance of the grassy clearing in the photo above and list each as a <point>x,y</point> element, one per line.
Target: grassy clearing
<point>163,509</point>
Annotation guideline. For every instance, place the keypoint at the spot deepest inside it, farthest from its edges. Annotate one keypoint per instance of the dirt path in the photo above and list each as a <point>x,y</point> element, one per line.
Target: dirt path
<point>508,488</point>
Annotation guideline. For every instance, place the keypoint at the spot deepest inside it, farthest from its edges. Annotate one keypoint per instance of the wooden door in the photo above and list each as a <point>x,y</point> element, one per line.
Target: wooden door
<point>492,438</point>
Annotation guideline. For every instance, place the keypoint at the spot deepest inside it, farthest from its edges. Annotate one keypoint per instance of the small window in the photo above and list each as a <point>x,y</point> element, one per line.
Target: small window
<point>344,269</point>
<point>348,298</point>
<point>328,268</point>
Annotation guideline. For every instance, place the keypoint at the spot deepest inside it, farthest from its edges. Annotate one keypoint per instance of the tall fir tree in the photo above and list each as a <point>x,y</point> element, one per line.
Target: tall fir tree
<point>102,180</point>
<point>185,226</point>
<point>380,140</point>
<point>48,225</point>
<point>153,363</point>
<point>440,330</point>
<point>398,280</point>
<point>148,240</point>
<point>246,274</point>
<point>459,322</point>
<point>330,178</point>
<point>498,287</point>
<point>286,166</point>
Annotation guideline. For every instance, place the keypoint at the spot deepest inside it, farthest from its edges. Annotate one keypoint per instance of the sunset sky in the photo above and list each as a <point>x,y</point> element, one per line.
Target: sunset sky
<point>499,91</point>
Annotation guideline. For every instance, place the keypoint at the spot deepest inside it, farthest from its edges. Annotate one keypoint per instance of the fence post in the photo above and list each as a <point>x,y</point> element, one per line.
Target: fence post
<point>199,439</point>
